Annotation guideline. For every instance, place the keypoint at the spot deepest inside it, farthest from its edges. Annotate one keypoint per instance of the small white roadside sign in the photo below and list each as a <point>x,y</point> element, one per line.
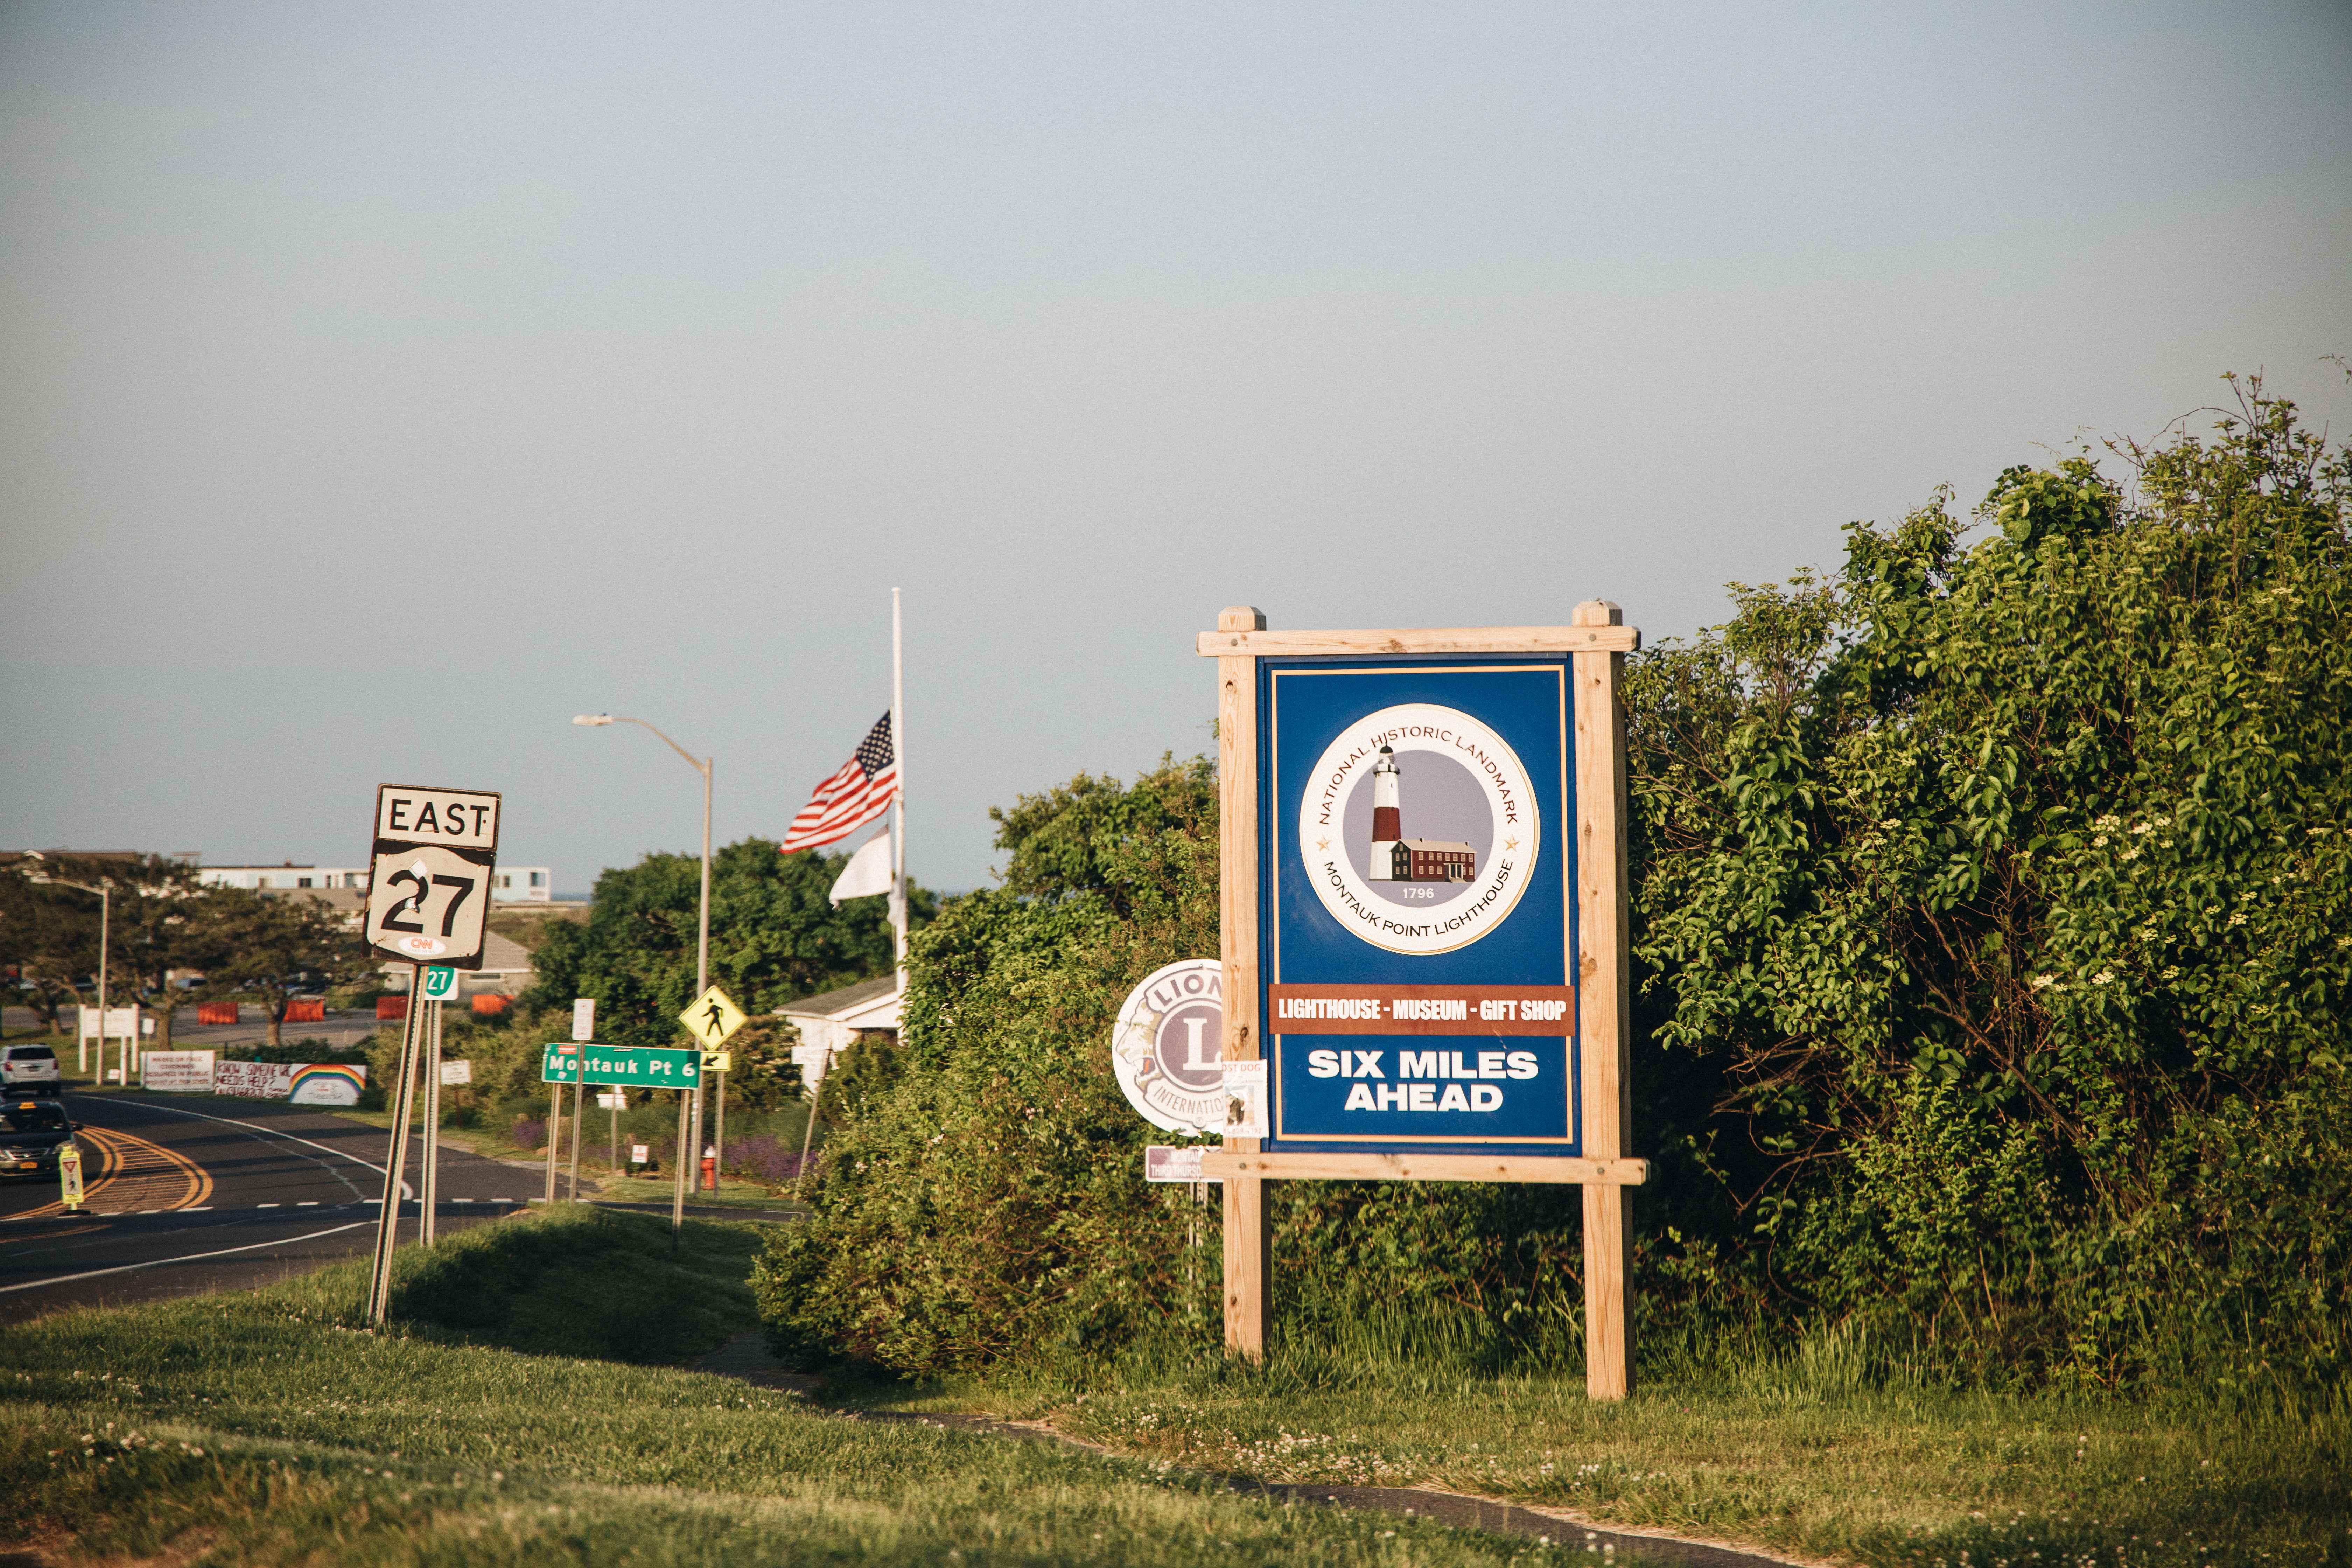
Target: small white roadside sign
<point>1165,1162</point>
<point>459,1071</point>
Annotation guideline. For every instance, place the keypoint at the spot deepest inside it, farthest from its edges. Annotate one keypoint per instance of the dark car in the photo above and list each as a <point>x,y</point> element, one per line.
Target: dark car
<point>31,1134</point>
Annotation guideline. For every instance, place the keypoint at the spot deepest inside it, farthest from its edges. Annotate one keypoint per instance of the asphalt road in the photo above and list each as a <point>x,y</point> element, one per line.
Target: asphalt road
<point>192,1193</point>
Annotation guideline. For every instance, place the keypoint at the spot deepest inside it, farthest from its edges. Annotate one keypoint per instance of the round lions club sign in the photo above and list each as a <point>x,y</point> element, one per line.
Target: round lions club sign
<point>1419,829</point>
<point>1168,1047</point>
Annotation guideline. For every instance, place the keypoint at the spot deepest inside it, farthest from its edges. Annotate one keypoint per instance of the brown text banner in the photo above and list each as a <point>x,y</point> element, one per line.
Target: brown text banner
<point>1373,1008</point>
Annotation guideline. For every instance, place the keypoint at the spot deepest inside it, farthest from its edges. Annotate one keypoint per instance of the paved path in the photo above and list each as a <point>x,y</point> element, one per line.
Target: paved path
<point>192,1193</point>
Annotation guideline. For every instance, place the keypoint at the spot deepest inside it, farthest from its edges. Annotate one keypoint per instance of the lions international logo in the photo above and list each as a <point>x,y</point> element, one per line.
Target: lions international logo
<point>1167,1048</point>
<point>1419,829</point>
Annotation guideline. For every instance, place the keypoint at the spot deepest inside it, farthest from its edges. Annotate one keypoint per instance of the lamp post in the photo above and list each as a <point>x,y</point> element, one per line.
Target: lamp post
<point>687,1158</point>
<point>105,922</point>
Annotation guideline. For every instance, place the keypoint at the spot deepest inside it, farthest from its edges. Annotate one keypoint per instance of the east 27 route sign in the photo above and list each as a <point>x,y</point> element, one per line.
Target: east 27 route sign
<point>429,886</point>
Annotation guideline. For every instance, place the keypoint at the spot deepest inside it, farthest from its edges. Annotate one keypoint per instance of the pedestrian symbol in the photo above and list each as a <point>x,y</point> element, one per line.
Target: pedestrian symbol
<point>712,1019</point>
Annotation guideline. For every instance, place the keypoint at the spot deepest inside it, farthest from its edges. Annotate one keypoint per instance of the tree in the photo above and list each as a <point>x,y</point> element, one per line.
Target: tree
<point>50,940</point>
<point>774,937</point>
<point>50,931</point>
<point>2001,884</point>
<point>276,947</point>
<point>170,922</point>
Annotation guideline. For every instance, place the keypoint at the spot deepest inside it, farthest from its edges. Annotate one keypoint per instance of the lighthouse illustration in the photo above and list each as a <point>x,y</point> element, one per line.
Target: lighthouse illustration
<point>1395,858</point>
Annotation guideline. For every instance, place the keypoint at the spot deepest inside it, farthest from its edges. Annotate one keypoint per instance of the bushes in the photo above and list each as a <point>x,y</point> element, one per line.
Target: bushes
<point>983,1197</point>
<point>1991,910</point>
<point>2000,886</point>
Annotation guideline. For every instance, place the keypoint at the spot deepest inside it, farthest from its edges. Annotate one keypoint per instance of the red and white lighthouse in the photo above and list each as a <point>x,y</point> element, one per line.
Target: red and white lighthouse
<point>1388,817</point>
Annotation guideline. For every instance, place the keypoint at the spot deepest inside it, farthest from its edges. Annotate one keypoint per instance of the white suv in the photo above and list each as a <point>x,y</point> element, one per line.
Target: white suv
<point>28,1069</point>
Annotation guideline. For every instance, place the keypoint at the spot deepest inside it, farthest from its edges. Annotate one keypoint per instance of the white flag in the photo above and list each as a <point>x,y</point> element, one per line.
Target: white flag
<point>867,873</point>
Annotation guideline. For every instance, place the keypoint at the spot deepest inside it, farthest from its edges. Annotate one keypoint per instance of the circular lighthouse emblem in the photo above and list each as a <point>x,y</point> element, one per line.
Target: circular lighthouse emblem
<point>1167,1048</point>
<point>1419,829</point>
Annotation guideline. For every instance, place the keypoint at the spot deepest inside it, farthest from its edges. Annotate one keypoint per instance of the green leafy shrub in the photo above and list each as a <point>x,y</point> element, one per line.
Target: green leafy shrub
<point>1993,932</point>
<point>2002,886</point>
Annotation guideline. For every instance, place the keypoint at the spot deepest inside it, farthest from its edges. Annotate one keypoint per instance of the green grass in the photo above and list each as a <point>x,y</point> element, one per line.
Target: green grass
<point>1813,1454</point>
<point>523,1412</point>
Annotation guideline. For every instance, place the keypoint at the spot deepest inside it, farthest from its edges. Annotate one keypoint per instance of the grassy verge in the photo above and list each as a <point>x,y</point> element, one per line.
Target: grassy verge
<point>1813,1456</point>
<point>522,1412</point>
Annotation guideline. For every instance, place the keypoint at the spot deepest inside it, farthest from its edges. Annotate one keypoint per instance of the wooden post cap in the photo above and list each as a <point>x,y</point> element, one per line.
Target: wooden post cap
<point>1241,619</point>
<point>1597,613</point>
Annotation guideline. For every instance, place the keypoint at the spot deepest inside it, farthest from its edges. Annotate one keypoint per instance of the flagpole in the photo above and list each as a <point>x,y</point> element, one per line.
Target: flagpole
<point>898,799</point>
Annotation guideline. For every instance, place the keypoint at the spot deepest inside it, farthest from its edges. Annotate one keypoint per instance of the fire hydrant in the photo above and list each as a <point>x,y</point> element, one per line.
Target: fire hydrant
<point>710,1167</point>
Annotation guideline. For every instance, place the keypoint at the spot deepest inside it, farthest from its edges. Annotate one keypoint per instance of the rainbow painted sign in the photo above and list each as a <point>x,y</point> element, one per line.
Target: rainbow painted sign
<point>327,1083</point>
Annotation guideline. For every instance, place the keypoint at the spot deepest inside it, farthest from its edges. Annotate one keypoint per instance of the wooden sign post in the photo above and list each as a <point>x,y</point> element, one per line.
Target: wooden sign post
<point>1424,843</point>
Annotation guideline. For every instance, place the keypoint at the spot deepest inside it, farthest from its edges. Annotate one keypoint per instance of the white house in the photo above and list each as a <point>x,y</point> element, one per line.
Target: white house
<point>286,875</point>
<point>509,885</point>
<point>523,885</point>
<point>831,1021</point>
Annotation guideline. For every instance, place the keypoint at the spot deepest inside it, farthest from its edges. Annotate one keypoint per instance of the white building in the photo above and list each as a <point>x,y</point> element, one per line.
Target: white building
<point>831,1021</point>
<point>523,885</point>
<point>282,875</point>
<point>509,885</point>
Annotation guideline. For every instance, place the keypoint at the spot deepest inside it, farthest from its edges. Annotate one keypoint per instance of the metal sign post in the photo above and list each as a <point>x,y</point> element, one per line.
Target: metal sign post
<point>710,1020</point>
<point>396,1163</point>
<point>1423,914</point>
<point>428,899</point>
<point>429,1066</point>
<point>440,983</point>
<point>643,1067</point>
<point>554,1133</point>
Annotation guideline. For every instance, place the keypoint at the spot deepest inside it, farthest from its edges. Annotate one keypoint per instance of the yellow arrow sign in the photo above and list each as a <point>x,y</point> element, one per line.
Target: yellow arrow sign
<point>718,1061</point>
<point>712,1019</point>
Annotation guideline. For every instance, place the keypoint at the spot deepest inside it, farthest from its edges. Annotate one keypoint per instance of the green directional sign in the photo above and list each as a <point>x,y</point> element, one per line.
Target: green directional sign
<point>641,1066</point>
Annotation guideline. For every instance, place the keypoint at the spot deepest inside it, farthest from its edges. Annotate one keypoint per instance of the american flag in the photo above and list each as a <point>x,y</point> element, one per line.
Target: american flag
<point>851,798</point>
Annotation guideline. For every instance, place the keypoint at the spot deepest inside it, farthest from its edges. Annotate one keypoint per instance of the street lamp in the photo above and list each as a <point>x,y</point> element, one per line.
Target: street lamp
<point>105,920</point>
<point>702,931</point>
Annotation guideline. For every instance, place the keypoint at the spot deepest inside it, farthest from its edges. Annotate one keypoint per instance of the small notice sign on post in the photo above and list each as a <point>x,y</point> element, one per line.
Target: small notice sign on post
<point>1166,1163</point>
<point>641,1155</point>
<point>584,1018</point>
<point>458,1071</point>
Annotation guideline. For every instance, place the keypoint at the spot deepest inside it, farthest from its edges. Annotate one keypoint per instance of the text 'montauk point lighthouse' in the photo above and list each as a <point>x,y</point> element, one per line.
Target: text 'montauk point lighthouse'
<point>1395,858</point>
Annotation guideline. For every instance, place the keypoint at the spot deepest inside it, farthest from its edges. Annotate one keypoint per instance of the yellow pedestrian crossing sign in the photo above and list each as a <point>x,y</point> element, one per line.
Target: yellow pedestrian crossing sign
<point>712,1019</point>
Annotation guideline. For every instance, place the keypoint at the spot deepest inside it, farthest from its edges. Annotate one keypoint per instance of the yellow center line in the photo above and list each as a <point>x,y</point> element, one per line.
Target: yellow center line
<point>135,1173</point>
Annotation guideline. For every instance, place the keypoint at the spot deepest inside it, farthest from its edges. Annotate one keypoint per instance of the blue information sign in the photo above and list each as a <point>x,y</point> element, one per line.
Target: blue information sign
<point>1417,904</point>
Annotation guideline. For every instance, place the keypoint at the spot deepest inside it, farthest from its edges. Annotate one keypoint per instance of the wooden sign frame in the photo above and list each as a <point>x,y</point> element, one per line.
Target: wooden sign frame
<point>1597,642</point>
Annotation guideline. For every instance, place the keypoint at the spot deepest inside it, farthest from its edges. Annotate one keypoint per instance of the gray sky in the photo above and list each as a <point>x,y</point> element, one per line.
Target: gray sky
<point>382,385</point>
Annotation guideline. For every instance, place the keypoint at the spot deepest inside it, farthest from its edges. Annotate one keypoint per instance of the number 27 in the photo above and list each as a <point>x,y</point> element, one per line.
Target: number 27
<point>415,903</point>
